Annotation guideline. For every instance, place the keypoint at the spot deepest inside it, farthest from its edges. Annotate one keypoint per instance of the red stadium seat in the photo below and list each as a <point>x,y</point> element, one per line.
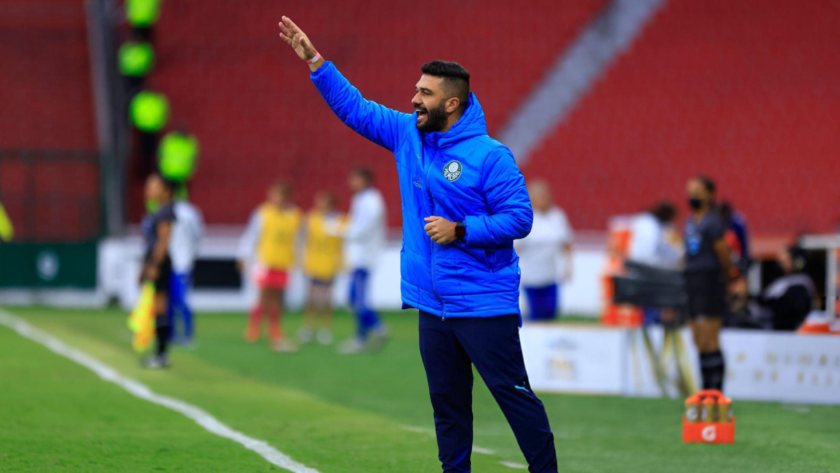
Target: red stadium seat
<point>746,92</point>
<point>250,102</point>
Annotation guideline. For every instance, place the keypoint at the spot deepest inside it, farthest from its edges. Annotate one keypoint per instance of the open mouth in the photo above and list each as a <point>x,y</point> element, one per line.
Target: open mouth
<point>422,114</point>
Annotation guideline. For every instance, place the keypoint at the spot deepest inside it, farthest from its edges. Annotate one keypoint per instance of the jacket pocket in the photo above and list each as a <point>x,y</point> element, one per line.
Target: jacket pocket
<point>498,258</point>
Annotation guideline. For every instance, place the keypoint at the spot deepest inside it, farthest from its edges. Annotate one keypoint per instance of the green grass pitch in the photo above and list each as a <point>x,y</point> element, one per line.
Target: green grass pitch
<point>339,414</point>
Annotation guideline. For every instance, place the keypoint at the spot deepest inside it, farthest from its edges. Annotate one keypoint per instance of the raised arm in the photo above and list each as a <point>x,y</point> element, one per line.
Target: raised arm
<point>373,121</point>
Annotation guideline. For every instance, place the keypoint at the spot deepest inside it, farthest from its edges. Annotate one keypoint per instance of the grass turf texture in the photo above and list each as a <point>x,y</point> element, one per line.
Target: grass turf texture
<point>353,414</point>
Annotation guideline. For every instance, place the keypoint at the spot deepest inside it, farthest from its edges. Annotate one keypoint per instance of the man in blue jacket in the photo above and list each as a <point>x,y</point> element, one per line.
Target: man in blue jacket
<point>464,201</point>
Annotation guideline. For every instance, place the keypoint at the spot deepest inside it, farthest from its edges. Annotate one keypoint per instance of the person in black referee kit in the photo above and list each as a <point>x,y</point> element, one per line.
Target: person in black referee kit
<point>157,266</point>
<point>707,263</point>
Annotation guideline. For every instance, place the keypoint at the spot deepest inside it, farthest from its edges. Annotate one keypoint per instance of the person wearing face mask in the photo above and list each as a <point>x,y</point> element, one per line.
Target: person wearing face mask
<point>707,270</point>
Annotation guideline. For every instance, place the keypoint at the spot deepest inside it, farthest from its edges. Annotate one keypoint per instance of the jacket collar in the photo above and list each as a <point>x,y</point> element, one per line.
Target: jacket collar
<point>471,124</point>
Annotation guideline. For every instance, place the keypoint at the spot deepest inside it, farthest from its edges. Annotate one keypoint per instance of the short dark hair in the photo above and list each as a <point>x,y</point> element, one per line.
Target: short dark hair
<point>365,173</point>
<point>707,182</point>
<point>283,188</point>
<point>664,212</point>
<point>456,79</point>
<point>799,257</point>
<point>330,197</point>
<point>168,184</point>
<point>725,211</point>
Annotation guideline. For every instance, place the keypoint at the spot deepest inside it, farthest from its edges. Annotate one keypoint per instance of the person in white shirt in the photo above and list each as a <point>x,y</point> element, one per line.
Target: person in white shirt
<point>543,253</point>
<point>654,240</point>
<point>364,238</point>
<point>187,232</point>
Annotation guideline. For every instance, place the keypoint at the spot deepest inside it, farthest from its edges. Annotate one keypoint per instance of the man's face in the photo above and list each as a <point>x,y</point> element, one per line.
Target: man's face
<point>430,104</point>
<point>323,202</point>
<point>154,189</point>
<point>696,190</point>
<point>275,197</point>
<point>356,182</point>
<point>540,199</point>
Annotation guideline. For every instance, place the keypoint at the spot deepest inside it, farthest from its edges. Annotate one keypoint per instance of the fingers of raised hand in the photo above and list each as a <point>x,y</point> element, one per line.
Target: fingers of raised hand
<point>291,24</point>
<point>285,29</point>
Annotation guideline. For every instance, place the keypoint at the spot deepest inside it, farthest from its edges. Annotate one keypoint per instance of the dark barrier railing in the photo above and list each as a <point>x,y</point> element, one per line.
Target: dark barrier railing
<point>52,195</point>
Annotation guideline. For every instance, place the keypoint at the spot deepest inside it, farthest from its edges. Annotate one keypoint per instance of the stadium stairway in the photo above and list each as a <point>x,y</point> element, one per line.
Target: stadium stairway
<point>745,92</point>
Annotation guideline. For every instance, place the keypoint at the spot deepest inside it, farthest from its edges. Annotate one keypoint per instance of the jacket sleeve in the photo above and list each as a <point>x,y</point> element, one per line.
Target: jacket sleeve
<point>510,215</point>
<point>371,120</point>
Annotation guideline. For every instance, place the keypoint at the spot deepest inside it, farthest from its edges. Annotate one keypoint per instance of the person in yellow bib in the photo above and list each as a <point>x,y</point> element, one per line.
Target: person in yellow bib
<point>271,239</point>
<point>322,260</point>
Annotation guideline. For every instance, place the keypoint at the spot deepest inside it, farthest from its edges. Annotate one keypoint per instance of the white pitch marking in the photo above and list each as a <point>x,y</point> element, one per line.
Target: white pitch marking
<point>202,418</point>
<point>517,466</point>
<point>423,430</point>
<point>485,451</point>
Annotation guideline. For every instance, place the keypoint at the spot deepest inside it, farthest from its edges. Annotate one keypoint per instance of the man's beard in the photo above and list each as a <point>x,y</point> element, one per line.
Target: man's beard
<point>435,119</point>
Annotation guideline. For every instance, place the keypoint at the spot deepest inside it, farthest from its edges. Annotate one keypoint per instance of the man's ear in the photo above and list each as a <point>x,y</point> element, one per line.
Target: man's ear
<point>452,104</point>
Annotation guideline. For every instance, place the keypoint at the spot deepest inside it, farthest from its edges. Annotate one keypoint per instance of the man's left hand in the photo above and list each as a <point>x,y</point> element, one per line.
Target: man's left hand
<point>440,230</point>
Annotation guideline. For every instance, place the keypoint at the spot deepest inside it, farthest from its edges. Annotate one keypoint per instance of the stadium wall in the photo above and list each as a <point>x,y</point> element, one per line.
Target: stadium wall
<point>760,365</point>
<point>119,266</point>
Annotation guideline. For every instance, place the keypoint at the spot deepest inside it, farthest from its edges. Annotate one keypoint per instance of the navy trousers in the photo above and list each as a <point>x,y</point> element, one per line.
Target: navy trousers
<point>449,348</point>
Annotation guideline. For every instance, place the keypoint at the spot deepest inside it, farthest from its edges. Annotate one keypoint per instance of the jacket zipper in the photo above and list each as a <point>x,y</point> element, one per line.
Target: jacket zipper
<point>431,243</point>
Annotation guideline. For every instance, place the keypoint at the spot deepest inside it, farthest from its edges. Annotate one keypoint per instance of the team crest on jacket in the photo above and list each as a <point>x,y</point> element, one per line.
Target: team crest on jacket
<point>452,171</point>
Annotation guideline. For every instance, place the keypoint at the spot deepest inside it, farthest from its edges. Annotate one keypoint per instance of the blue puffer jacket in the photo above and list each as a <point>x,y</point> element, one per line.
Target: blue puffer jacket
<point>461,175</point>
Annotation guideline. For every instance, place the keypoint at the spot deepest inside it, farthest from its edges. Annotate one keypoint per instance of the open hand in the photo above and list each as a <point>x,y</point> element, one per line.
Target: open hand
<point>440,230</point>
<point>292,35</point>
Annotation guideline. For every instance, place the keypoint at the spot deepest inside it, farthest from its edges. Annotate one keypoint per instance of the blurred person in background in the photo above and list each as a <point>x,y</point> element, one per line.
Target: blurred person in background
<point>364,237</point>
<point>737,224</point>
<point>271,236</point>
<point>707,273</point>
<point>322,260</point>
<point>655,242</point>
<point>545,250</point>
<point>157,264</point>
<point>183,248</point>
<point>786,302</point>
<point>736,238</point>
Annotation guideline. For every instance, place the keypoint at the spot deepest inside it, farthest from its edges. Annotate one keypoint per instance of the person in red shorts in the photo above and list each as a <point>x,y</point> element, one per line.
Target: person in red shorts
<point>271,238</point>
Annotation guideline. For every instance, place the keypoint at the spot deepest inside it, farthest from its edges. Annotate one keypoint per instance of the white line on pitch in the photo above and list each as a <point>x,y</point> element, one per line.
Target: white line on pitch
<point>517,466</point>
<point>485,451</point>
<point>202,418</point>
<point>424,430</point>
